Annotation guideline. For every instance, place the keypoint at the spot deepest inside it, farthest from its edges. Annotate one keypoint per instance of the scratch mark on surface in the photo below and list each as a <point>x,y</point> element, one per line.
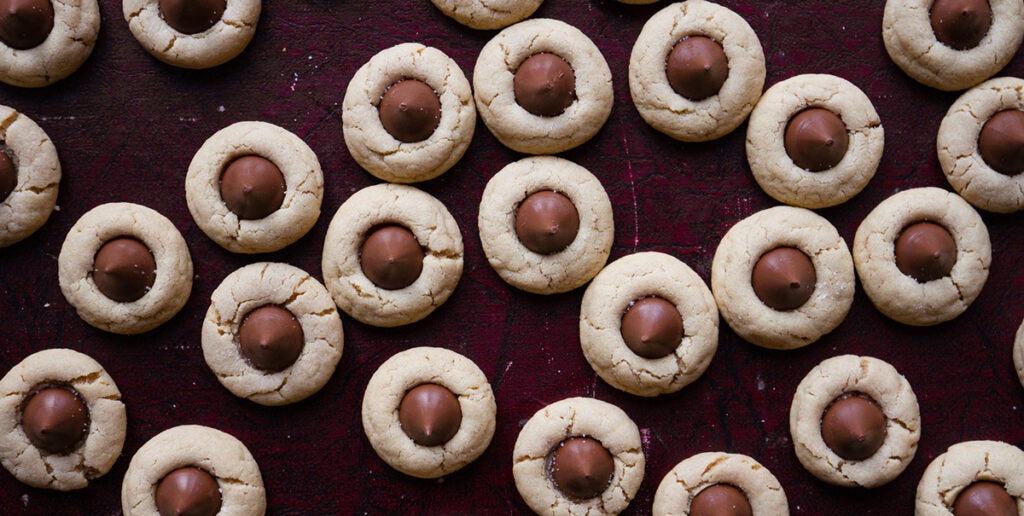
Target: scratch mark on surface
<point>632,191</point>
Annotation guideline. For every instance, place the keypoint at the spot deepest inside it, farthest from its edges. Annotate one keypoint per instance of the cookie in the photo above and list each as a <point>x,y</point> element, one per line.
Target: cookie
<point>1018,352</point>
<point>600,470</point>
<point>392,255</point>
<point>542,87</point>
<point>814,141</point>
<point>959,54</point>
<point>980,164</point>
<point>408,114</point>
<point>254,187</point>
<point>53,47</point>
<point>672,90</point>
<point>997,468</point>
<point>783,278</point>
<point>904,233</point>
<point>487,14</point>
<point>125,268</point>
<point>715,480</point>
<point>855,422</point>
<point>62,422</point>
<point>29,177</point>
<point>193,467</point>
<point>193,38</point>
<point>648,324</point>
<point>272,334</point>
<point>428,412</point>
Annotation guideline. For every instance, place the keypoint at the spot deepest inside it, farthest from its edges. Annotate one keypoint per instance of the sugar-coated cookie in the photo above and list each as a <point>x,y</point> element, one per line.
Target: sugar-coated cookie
<point>714,473</point>
<point>997,466</point>
<point>55,48</point>
<point>29,176</point>
<point>183,38</point>
<point>487,14</point>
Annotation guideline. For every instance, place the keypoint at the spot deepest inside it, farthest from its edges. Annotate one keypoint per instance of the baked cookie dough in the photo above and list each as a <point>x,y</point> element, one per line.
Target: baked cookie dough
<point>418,434</point>
<point>89,450</point>
<point>435,232</point>
<point>585,419</point>
<point>487,14</point>
<point>55,48</point>
<point>643,282</point>
<point>263,225</point>
<point>902,297</point>
<point>172,271</point>
<point>968,463</point>
<point>959,151</point>
<point>272,358</point>
<point>822,389</point>
<point>773,138</point>
<point>915,48</point>
<point>678,491</point>
<point>29,176</point>
<point>716,113</point>
<point>421,147</point>
<point>740,251</point>
<point>215,453</point>
<point>1018,352</point>
<point>588,96</point>
<point>193,41</point>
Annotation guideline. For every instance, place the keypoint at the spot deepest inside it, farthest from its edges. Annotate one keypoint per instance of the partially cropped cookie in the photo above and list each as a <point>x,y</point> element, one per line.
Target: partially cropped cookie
<point>272,334</point>
<point>855,422</point>
<point>428,412</point>
<point>717,482</point>
<point>195,34</point>
<point>125,268</point>
<point>814,141</point>
<point>696,70</point>
<point>1018,352</point>
<point>487,14</point>
<point>922,256</point>
<point>542,87</point>
<point>952,44</point>
<point>29,176</point>
<point>578,456</point>
<point>254,187</point>
<point>44,41</point>
<point>392,255</point>
<point>783,277</point>
<point>545,224</point>
<point>62,422</point>
<point>981,145</point>
<point>973,477</point>
<point>193,469</point>
<point>648,324</point>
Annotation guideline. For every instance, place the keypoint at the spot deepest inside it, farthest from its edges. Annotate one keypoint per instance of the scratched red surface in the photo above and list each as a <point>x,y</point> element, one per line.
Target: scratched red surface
<point>126,127</point>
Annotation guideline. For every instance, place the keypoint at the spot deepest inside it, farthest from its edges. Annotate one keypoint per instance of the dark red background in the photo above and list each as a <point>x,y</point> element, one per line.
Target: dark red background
<point>126,127</point>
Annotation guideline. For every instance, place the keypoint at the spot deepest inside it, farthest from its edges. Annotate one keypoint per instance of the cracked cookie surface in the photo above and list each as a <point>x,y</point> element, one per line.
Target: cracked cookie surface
<point>76,25</point>
<point>688,478</point>
<point>487,14</point>
<point>214,46</point>
<point>963,464</point>
<point>34,197</point>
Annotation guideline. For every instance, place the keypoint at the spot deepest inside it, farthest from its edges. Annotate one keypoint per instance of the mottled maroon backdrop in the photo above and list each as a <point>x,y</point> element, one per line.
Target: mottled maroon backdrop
<point>126,127</point>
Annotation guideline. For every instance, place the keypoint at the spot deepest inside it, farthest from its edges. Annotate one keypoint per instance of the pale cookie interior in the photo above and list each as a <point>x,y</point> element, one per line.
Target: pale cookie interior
<point>76,25</point>
<point>34,197</point>
<point>691,476</point>
<point>487,14</point>
<point>215,46</point>
<point>963,464</point>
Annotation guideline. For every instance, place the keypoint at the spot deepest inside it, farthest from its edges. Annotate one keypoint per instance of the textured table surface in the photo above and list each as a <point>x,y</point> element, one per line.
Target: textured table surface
<point>126,127</point>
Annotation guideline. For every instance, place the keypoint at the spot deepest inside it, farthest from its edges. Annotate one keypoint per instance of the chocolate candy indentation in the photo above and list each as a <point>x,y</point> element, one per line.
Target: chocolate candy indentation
<point>652,327</point>
<point>697,67</point>
<point>252,187</point>
<point>124,269</point>
<point>8,175</point>
<point>55,419</point>
<point>784,278</point>
<point>1001,142</point>
<point>985,498</point>
<point>816,139</point>
<point>581,467</point>
<point>430,414</point>
<point>961,24</point>
<point>410,110</point>
<point>391,257</point>
<point>25,24</point>
<point>544,84</point>
<point>190,491</point>
<point>547,222</point>
<point>720,500</point>
<point>925,251</point>
<point>853,426</point>
<point>270,338</point>
<point>192,16</point>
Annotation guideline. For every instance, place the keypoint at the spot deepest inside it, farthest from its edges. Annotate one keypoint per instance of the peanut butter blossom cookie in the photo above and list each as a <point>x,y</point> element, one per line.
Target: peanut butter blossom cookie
<point>193,33</point>
<point>44,41</point>
<point>29,177</point>
<point>696,71</point>
<point>719,483</point>
<point>62,422</point>
<point>973,477</point>
<point>487,14</point>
